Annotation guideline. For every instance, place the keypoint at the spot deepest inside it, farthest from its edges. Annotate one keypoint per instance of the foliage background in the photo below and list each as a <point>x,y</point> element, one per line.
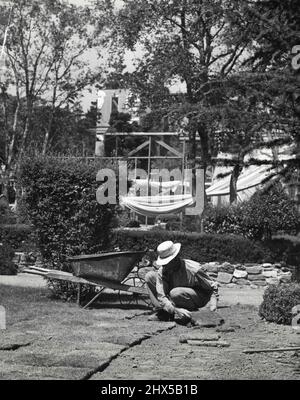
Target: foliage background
<point>278,302</point>
<point>7,267</point>
<point>60,197</point>
<point>266,213</point>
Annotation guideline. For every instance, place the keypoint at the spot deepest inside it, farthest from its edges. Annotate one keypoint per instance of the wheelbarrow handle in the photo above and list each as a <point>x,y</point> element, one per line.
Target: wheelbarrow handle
<point>148,250</point>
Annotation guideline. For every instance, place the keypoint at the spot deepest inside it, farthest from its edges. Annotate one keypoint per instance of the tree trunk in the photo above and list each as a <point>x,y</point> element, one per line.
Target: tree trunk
<point>13,137</point>
<point>5,183</point>
<point>9,146</point>
<point>23,142</point>
<point>4,108</point>
<point>46,140</point>
<point>50,122</point>
<point>192,165</point>
<point>233,183</point>
<point>205,156</point>
<point>24,135</point>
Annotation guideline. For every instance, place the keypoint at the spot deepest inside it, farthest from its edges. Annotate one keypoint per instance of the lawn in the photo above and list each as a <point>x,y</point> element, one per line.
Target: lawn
<point>51,339</point>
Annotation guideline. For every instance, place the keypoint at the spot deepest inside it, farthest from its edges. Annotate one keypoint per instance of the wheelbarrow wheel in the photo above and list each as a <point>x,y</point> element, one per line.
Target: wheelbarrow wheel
<point>127,298</point>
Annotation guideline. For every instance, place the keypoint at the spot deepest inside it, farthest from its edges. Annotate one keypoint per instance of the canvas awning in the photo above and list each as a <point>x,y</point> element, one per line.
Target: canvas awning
<point>153,206</point>
<point>250,177</point>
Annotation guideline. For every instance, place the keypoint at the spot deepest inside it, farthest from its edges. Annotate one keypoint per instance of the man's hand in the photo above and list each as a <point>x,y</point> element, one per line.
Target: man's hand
<point>169,308</point>
<point>182,312</point>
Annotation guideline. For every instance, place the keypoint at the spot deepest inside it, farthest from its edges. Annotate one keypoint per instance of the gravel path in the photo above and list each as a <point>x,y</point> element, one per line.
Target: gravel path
<point>23,280</point>
<point>228,296</point>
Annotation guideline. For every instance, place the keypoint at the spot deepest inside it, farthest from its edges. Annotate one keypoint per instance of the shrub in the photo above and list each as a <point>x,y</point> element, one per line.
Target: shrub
<point>188,223</point>
<point>268,212</point>
<point>285,248</point>
<point>18,236</point>
<point>7,267</point>
<point>22,212</point>
<point>133,224</point>
<point>278,302</point>
<point>157,228</point>
<point>223,219</point>
<point>199,247</point>
<point>67,291</point>
<point>6,215</point>
<point>60,198</point>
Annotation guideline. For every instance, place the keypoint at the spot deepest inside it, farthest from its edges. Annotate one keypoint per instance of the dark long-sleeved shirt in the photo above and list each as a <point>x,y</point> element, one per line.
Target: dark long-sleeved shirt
<point>190,274</point>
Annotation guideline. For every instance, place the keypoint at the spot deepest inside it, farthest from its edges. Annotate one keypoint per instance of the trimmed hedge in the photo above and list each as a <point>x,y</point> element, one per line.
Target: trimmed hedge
<point>278,302</point>
<point>199,247</point>
<point>285,248</point>
<point>215,247</point>
<point>7,267</point>
<point>60,199</point>
<point>18,236</point>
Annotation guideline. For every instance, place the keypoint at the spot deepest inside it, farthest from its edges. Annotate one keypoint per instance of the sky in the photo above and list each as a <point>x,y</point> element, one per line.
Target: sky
<point>91,94</point>
<point>129,57</point>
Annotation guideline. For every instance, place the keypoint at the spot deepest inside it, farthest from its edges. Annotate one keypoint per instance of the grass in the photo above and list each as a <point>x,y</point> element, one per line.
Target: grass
<point>61,335</point>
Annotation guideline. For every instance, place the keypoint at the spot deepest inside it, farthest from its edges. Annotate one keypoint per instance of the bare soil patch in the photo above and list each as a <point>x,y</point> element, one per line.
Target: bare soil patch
<point>49,339</point>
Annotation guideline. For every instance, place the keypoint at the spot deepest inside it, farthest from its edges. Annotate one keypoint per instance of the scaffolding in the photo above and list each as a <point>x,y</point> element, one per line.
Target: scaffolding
<point>153,140</point>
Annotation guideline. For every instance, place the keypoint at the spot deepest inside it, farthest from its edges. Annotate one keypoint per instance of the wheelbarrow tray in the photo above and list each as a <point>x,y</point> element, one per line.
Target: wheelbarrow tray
<point>114,266</point>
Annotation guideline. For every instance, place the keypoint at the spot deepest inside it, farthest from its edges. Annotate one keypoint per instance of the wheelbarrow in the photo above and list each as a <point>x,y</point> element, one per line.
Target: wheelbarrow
<point>116,270</point>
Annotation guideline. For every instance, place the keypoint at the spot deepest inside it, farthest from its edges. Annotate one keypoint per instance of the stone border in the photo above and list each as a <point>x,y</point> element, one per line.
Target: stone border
<point>249,274</point>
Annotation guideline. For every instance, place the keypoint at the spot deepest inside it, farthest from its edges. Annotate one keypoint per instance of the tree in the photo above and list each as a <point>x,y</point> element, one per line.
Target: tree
<point>44,49</point>
<point>190,42</point>
<point>270,78</point>
<point>122,145</point>
<point>72,131</point>
<point>216,48</point>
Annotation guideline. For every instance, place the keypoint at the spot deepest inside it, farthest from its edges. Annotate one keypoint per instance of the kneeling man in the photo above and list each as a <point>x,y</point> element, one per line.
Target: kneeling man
<point>179,286</point>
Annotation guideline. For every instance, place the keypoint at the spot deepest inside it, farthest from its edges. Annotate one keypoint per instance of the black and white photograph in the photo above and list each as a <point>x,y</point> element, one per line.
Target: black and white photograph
<point>149,193</point>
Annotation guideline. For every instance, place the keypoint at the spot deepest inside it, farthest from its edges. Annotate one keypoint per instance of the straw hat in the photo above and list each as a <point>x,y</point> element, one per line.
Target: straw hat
<point>167,251</point>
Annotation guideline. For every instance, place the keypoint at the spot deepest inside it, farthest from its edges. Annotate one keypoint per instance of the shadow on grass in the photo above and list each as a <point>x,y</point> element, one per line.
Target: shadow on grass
<point>223,306</point>
<point>14,297</point>
<point>97,306</point>
<point>117,301</point>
